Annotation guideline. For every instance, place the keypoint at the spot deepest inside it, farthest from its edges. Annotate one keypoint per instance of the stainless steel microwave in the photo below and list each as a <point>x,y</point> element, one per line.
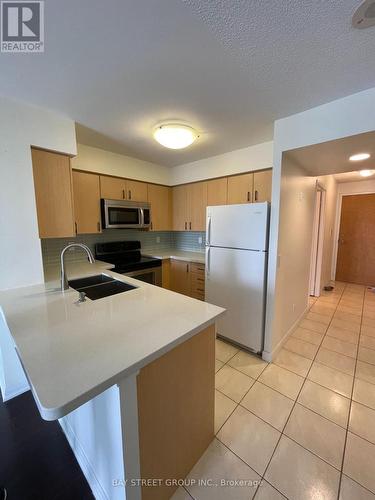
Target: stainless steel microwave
<point>119,214</point>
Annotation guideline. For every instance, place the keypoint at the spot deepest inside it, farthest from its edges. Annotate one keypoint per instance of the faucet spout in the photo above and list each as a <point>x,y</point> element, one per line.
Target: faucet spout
<point>90,256</point>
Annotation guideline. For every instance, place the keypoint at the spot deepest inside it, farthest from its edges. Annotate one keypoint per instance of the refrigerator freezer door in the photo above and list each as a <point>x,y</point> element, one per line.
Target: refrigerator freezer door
<point>238,226</point>
<point>235,280</point>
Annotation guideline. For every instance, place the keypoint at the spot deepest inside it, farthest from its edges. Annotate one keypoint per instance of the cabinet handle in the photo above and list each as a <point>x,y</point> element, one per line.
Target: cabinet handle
<point>151,226</point>
<point>76,227</point>
<point>123,194</point>
<point>200,290</point>
<point>200,279</point>
<point>256,195</point>
<point>98,227</point>
<point>248,196</point>
<point>185,226</point>
<point>187,268</point>
<point>190,226</point>
<point>130,195</point>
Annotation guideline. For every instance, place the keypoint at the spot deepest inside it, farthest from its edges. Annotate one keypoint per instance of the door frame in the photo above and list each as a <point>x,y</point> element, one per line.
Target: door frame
<point>336,232</point>
<point>317,241</point>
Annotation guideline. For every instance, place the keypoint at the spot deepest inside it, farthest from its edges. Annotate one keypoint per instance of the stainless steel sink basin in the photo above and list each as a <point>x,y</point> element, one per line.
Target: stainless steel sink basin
<point>97,287</point>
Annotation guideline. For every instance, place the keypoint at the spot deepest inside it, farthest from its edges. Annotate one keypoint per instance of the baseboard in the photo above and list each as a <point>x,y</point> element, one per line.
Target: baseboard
<point>7,395</point>
<point>269,356</point>
<point>86,467</point>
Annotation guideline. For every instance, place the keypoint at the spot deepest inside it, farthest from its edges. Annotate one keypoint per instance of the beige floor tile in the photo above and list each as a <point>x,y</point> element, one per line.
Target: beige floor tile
<point>344,316</point>
<point>218,365</point>
<point>350,490</point>
<point>248,363</point>
<point>249,438</point>
<point>359,461</point>
<point>232,383</point>
<point>317,434</point>
<point>268,492</point>
<point>350,310</point>
<point>362,421</point>
<point>318,318</point>
<point>224,351</point>
<point>181,494</point>
<point>327,403</point>
<point>314,326</point>
<point>367,341</point>
<point>364,393</point>
<point>217,464</point>
<point>356,303</point>
<point>368,330</point>
<point>326,311</point>
<point>368,322</point>
<point>307,335</point>
<point>282,380</point>
<point>335,360</point>
<point>366,355</point>
<point>316,478</point>
<point>293,362</point>
<point>332,379</point>
<point>224,406</point>
<point>345,325</point>
<point>305,349</point>
<point>344,335</point>
<point>340,346</point>
<point>268,405</point>
<point>365,371</point>
<point>369,314</point>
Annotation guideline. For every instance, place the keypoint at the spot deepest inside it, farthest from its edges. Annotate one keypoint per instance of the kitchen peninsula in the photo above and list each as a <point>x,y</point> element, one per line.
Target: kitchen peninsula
<point>130,378</point>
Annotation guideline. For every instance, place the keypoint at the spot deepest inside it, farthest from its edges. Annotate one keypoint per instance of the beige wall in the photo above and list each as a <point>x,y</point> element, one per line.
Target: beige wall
<point>330,185</point>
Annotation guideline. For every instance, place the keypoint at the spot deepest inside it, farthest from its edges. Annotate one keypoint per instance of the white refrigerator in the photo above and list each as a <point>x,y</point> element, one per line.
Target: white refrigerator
<point>236,270</point>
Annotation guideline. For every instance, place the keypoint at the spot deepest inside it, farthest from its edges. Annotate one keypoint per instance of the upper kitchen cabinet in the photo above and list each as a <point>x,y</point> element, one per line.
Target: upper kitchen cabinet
<point>217,192</point>
<point>197,203</point>
<point>53,194</point>
<point>136,191</point>
<point>180,208</point>
<point>240,188</point>
<point>262,186</point>
<point>160,198</point>
<point>112,188</point>
<point>86,189</point>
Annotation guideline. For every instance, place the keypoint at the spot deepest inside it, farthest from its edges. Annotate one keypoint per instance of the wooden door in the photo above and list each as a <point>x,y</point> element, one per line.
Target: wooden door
<point>136,191</point>
<point>160,198</point>
<point>356,255</point>
<point>180,277</point>
<point>262,186</point>
<point>53,194</point>
<point>240,189</point>
<point>179,204</point>
<point>197,203</point>
<point>86,189</point>
<point>112,188</point>
<point>217,192</point>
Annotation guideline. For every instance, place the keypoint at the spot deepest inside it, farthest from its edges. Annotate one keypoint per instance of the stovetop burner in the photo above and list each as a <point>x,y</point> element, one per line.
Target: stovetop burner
<point>125,255</point>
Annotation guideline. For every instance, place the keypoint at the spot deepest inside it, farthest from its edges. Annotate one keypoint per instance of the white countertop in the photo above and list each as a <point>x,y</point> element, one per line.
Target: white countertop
<point>72,352</point>
<point>76,269</point>
<point>198,257</point>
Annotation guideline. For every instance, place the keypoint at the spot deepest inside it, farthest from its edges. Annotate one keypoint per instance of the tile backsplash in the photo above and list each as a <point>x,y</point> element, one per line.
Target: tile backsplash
<point>150,241</point>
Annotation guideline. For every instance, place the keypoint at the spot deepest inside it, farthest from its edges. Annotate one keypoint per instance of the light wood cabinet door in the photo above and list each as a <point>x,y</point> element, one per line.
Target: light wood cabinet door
<point>160,198</point>
<point>180,277</point>
<point>197,203</point>
<point>112,188</point>
<point>166,274</point>
<point>262,186</point>
<point>240,188</point>
<point>136,191</point>
<point>179,204</point>
<point>217,192</point>
<point>53,194</point>
<point>86,189</point>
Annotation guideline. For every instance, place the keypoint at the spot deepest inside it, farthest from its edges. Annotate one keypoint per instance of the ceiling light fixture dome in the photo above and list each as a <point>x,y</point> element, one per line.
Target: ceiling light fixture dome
<point>175,135</point>
<point>359,157</point>
<point>366,173</point>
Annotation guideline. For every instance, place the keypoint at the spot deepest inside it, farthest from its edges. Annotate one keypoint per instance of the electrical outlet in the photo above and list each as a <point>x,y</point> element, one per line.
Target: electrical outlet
<point>157,239</point>
<point>200,240</point>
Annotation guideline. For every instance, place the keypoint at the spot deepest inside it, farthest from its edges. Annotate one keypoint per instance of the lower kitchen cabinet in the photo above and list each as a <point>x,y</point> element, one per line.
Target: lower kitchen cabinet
<point>86,189</point>
<point>166,274</point>
<point>187,278</point>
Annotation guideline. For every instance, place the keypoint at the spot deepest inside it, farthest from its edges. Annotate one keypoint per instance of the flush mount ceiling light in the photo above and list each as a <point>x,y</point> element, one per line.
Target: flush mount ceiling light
<point>366,173</point>
<point>175,135</point>
<point>364,16</point>
<point>359,157</point>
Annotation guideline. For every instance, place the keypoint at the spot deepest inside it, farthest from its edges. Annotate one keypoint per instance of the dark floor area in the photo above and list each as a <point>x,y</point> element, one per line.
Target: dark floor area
<point>36,462</point>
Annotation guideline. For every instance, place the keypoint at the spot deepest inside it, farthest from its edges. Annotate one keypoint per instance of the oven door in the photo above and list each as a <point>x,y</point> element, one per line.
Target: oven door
<point>117,214</point>
<point>150,275</point>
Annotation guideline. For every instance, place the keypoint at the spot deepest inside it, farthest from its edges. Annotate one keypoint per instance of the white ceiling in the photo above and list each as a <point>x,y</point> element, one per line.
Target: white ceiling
<point>230,68</point>
<point>352,177</point>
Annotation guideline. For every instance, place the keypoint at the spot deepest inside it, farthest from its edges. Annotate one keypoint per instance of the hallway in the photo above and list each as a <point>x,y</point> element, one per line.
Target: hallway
<point>304,423</point>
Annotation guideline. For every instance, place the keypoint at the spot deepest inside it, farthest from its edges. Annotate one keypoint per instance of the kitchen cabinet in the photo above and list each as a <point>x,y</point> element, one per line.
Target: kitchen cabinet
<point>180,208</point>
<point>197,281</point>
<point>262,186</point>
<point>86,189</point>
<point>160,198</point>
<point>217,192</point>
<point>53,194</point>
<point>196,206</point>
<point>240,188</point>
<point>166,274</point>
<point>117,188</point>
<point>180,276</point>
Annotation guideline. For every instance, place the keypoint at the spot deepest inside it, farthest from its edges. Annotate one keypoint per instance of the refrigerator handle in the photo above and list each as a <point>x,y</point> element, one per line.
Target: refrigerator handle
<point>208,262</point>
<point>208,241</point>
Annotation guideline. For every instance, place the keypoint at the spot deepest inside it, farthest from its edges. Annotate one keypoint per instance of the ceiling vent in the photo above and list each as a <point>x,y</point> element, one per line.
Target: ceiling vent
<point>364,16</point>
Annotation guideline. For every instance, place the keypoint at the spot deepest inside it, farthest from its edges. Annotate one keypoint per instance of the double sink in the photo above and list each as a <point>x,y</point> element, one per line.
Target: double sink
<point>99,286</point>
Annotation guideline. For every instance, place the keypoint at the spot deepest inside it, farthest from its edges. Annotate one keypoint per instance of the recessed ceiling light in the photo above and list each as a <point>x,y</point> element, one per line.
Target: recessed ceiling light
<point>175,135</point>
<point>359,157</point>
<point>366,173</point>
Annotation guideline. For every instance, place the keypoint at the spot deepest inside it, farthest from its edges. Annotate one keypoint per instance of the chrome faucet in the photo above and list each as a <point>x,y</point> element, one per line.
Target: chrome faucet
<point>64,279</point>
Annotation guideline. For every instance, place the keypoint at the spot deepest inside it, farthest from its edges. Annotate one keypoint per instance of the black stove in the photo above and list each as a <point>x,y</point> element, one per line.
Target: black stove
<point>125,255</point>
